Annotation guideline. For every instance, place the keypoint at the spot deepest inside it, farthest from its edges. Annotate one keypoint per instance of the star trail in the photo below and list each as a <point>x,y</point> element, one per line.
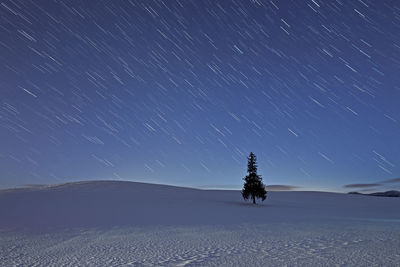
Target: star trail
<point>179,92</point>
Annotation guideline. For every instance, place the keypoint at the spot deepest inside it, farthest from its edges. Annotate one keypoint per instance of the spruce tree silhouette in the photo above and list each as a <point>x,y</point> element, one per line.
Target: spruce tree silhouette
<point>253,186</point>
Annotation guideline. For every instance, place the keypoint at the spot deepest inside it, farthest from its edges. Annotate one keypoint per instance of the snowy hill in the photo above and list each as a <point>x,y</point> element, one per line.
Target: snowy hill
<point>115,203</point>
<point>108,223</point>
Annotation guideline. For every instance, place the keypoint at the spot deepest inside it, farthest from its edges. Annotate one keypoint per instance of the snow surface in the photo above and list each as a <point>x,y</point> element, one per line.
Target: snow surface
<point>108,223</point>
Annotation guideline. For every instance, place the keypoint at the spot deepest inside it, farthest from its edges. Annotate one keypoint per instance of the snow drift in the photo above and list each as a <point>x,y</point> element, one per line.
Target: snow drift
<point>116,203</point>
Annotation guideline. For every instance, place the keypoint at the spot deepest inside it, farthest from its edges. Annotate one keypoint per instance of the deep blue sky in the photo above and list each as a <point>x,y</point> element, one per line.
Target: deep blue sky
<point>179,92</point>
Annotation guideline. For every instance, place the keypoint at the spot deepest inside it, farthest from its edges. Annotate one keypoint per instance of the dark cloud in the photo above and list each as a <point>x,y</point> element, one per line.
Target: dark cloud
<point>360,185</point>
<point>279,187</point>
<point>394,180</point>
<point>368,190</point>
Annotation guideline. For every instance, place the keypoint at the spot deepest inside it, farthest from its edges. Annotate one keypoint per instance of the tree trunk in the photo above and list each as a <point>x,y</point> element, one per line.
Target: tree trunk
<point>254,199</point>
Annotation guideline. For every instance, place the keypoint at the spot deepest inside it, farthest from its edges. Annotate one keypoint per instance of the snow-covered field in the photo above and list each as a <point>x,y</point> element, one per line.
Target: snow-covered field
<point>122,223</point>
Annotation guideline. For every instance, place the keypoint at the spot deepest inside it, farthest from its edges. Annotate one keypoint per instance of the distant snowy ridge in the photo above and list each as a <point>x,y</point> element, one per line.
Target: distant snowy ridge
<point>391,193</point>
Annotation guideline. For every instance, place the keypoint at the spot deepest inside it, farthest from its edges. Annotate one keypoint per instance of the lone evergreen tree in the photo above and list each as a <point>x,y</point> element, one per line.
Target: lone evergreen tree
<point>253,186</point>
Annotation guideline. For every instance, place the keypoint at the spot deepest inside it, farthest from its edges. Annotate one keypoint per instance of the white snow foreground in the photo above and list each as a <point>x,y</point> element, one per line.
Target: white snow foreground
<point>108,223</point>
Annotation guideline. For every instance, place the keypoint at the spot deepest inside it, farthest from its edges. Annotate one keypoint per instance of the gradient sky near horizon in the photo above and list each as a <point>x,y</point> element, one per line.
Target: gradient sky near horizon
<point>179,92</point>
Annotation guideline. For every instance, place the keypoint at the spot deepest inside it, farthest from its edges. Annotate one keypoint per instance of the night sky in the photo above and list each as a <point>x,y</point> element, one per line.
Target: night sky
<point>180,92</point>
